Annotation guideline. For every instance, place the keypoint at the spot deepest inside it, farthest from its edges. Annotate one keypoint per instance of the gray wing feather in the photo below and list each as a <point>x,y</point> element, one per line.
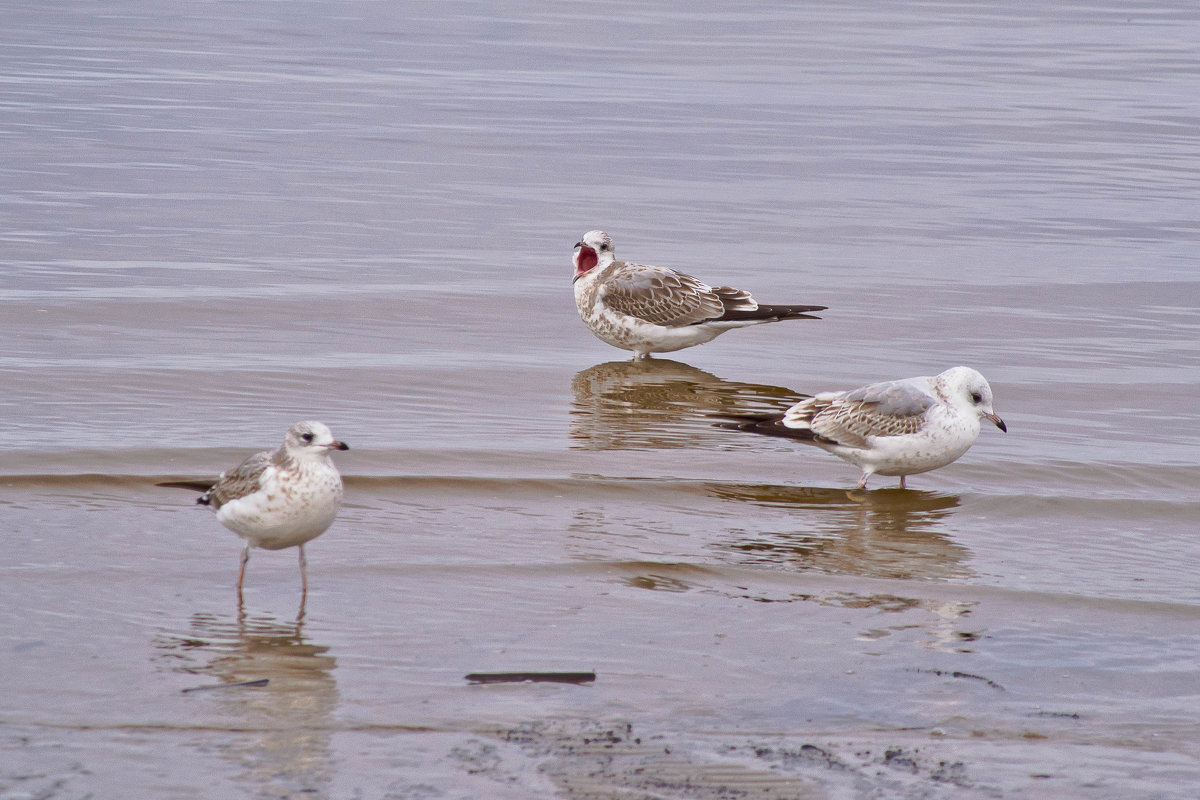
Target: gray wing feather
<point>661,296</point>
<point>894,408</point>
<point>244,479</point>
<point>894,398</point>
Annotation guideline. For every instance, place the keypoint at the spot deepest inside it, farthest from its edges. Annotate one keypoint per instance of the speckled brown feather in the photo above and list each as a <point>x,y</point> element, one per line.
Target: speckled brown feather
<point>850,423</point>
<point>673,299</point>
<point>242,480</point>
<point>883,409</point>
<point>660,296</point>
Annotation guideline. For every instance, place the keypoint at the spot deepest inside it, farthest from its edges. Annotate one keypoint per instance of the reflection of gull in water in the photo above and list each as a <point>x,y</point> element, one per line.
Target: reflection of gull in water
<point>883,534</point>
<point>888,533</point>
<point>659,403</point>
<point>285,749</point>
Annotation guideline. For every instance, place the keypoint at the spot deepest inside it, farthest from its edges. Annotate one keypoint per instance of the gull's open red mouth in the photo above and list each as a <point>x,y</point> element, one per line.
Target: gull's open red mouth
<point>585,260</point>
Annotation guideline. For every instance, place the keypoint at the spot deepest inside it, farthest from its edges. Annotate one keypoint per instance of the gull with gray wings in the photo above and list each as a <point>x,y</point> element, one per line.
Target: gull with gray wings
<point>896,428</point>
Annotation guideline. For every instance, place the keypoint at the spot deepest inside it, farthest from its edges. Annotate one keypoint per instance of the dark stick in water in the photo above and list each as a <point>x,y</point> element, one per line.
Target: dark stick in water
<point>533,677</point>
<point>243,684</point>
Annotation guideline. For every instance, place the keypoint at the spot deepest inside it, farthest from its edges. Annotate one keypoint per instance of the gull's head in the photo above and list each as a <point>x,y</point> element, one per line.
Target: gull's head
<point>311,439</point>
<point>966,386</point>
<point>595,249</point>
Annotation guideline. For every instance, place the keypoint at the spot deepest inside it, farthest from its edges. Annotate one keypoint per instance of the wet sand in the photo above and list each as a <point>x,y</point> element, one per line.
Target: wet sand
<point>748,639</point>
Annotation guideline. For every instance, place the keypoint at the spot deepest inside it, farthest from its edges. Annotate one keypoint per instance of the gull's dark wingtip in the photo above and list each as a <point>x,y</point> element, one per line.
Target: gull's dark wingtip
<point>802,312</point>
<point>195,486</point>
<point>765,424</point>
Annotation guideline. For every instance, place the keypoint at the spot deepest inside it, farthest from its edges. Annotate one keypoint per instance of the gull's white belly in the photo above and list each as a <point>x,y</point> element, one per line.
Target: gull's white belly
<point>631,333</point>
<point>289,510</point>
<point>911,454</point>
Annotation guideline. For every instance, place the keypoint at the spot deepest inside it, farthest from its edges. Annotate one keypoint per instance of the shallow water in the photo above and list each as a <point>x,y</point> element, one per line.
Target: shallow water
<point>218,223</point>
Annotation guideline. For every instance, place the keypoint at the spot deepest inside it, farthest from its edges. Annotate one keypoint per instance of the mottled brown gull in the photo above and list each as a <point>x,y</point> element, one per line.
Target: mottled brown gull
<point>275,500</point>
<point>657,309</point>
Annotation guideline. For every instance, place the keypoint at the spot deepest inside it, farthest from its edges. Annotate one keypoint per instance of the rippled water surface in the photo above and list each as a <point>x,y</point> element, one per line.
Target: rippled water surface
<point>219,219</point>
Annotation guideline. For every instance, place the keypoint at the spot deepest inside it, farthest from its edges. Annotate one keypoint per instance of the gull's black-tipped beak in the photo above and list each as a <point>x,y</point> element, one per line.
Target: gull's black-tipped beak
<point>344,446</point>
<point>999,423</point>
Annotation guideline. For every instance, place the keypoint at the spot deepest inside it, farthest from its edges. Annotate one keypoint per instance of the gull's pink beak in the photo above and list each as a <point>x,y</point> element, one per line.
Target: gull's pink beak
<point>999,423</point>
<point>338,446</point>
<point>585,260</point>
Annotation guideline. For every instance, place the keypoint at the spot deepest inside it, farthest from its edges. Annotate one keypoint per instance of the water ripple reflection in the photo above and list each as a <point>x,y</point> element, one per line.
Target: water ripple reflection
<point>888,533</point>
<point>285,726</point>
<point>659,403</point>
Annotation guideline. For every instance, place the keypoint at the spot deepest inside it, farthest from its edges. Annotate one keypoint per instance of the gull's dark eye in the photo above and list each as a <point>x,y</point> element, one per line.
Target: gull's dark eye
<point>603,247</point>
<point>308,437</point>
<point>976,398</point>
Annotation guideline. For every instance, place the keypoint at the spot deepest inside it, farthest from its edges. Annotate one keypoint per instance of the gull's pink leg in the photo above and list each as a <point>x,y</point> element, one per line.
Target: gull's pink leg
<point>303,573</point>
<point>242,571</point>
